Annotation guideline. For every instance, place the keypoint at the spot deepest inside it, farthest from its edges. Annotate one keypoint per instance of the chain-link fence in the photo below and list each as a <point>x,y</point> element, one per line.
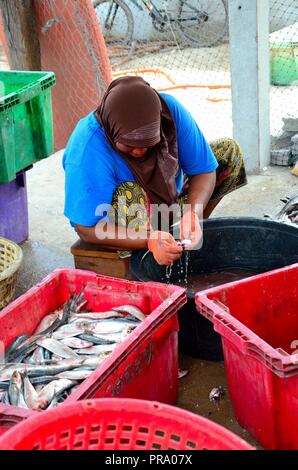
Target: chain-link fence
<point>71,46</point>
<point>180,47</point>
<point>284,81</point>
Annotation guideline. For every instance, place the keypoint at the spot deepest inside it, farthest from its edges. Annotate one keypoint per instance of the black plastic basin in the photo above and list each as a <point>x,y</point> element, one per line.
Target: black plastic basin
<point>256,245</point>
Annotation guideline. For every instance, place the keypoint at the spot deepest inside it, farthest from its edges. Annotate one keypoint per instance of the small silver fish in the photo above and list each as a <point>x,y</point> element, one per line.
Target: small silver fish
<point>96,339</point>
<point>15,388</point>
<point>67,331</point>
<point>38,356</point>
<point>100,327</point>
<point>5,399</point>
<point>57,348</point>
<point>185,243</point>
<point>77,302</point>
<point>110,330</point>
<point>284,214</point>
<point>119,337</point>
<point>76,343</point>
<point>74,374</point>
<point>48,320</point>
<point>96,316</point>
<point>41,380</point>
<point>182,373</point>
<point>15,344</point>
<point>30,394</point>
<point>36,370</point>
<point>110,326</point>
<point>92,361</point>
<point>59,398</point>
<point>74,389</point>
<point>54,403</point>
<point>29,345</point>
<point>97,349</point>
<point>56,359</point>
<point>216,394</point>
<point>131,310</point>
<point>21,401</point>
<point>46,395</point>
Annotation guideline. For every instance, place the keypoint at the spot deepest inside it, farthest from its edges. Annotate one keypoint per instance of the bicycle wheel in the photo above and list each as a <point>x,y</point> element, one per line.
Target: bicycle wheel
<point>202,23</point>
<point>117,24</point>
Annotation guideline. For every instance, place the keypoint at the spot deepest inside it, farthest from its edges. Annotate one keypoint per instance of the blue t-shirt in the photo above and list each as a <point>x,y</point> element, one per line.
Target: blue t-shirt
<point>93,170</point>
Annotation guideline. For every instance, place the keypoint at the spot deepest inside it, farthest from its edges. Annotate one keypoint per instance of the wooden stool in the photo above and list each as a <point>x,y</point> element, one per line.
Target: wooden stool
<point>100,259</point>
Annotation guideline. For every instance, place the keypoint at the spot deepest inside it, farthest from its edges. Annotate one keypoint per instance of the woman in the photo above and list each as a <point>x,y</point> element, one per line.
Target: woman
<point>144,148</point>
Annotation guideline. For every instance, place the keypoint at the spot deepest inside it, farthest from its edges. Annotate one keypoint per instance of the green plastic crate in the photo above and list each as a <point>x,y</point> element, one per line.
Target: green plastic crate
<point>26,120</point>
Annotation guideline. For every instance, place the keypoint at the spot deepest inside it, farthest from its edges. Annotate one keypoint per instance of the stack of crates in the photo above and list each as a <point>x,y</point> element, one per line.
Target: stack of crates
<point>26,136</point>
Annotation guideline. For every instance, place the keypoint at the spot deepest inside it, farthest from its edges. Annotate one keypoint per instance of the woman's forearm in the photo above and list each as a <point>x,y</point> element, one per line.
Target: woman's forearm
<point>114,236</point>
<point>200,190</point>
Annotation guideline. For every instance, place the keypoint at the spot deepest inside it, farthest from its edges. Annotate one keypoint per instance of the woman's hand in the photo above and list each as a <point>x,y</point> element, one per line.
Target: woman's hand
<point>164,247</point>
<point>190,229</point>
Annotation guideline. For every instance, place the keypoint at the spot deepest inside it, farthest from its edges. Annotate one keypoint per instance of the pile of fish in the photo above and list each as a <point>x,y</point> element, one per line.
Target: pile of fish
<point>42,370</point>
<point>289,213</point>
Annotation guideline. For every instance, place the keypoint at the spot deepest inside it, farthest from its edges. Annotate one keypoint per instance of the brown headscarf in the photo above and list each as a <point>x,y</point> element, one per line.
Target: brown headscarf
<point>134,114</point>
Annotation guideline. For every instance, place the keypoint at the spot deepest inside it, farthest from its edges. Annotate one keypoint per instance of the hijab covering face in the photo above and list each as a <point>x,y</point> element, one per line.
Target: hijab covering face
<point>134,114</point>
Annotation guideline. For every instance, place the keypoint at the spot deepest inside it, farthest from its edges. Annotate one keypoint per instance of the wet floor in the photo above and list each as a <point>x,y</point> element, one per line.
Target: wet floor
<point>194,390</point>
<point>51,237</point>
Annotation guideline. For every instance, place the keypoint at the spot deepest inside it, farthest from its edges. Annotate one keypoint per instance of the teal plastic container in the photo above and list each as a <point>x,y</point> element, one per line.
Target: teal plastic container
<point>26,120</point>
<point>284,56</point>
<point>284,63</point>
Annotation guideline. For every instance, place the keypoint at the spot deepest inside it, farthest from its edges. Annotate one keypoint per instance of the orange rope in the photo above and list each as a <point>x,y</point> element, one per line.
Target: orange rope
<point>211,87</point>
<point>127,72</point>
<point>175,86</point>
<point>217,100</point>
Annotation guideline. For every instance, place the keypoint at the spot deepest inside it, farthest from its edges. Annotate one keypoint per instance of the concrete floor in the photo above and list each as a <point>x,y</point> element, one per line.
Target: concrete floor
<point>194,392</point>
<point>51,236</point>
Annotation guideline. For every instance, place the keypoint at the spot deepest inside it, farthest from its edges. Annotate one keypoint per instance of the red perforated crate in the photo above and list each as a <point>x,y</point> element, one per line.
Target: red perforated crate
<point>11,415</point>
<point>144,366</point>
<point>120,424</point>
<point>258,321</point>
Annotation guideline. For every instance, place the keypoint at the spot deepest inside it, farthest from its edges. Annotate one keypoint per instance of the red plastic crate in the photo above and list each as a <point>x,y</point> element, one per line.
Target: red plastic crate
<point>144,366</point>
<point>258,321</point>
<point>120,424</point>
<point>11,415</point>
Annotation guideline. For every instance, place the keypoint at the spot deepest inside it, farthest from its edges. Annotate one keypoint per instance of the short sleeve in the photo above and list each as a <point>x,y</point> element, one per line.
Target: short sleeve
<point>195,154</point>
<point>88,195</point>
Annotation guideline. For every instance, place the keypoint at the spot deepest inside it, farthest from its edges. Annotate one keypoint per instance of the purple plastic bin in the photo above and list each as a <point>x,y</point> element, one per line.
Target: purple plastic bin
<point>14,209</point>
